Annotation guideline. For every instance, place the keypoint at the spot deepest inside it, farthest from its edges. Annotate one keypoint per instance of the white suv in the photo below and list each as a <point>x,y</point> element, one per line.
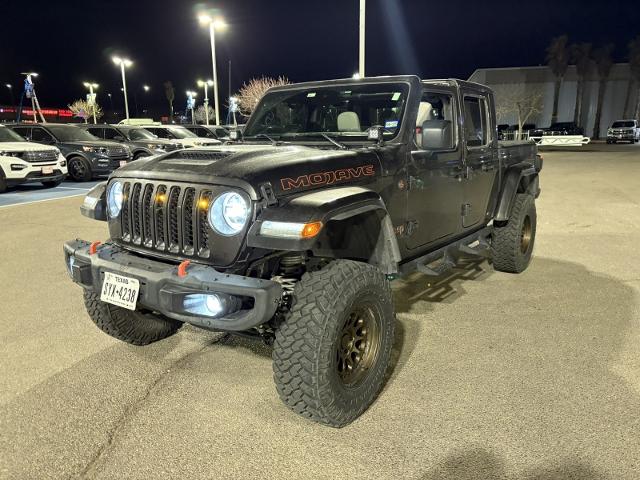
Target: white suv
<point>624,131</point>
<point>23,162</point>
<point>179,134</point>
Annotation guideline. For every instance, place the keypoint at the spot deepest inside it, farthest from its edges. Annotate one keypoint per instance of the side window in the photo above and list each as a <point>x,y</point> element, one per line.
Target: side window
<point>435,123</point>
<point>24,132</point>
<point>159,132</point>
<point>476,129</point>
<point>110,133</point>
<point>96,131</point>
<point>40,135</point>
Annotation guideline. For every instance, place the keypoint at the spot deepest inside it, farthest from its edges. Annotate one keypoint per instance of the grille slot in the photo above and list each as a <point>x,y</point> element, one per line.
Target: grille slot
<point>166,217</point>
<point>40,156</point>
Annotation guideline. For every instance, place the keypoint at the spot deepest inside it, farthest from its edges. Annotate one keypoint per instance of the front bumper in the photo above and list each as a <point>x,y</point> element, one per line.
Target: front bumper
<point>162,290</point>
<point>625,137</point>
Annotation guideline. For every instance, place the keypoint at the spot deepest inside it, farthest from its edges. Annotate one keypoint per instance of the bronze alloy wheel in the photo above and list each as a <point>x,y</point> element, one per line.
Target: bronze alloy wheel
<point>358,344</point>
<point>525,235</point>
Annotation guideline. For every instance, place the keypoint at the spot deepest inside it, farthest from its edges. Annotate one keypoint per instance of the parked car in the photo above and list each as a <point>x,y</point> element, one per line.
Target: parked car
<point>292,233</point>
<point>140,141</point>
<point>209,131</point>
<point>87,156</point>
<point>624,131</point>
<point>24,162</point>
<point>558,128</point>
<point>180,134</point>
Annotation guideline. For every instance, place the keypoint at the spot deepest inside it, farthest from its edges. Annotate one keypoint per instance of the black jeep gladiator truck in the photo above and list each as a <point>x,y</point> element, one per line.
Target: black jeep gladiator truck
<point>292,231</point>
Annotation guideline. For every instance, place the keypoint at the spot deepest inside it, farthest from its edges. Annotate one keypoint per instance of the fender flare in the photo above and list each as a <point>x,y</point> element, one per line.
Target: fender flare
<point>334,204</point>
<point>512,180</point>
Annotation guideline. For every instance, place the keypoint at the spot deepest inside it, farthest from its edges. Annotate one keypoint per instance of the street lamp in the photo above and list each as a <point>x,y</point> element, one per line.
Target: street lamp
<point>123,62</point>
<point>192,95</point>
<point>146,88</point>
<point>10,87</point>
<point>214,24</point>
<point>91,86</point>
<point>206,84</point>
<point>363,4</point>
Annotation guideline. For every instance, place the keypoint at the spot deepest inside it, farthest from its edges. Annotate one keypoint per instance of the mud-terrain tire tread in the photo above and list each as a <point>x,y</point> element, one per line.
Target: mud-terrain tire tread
<point>131,327</point>
<point>302,378</point>
<point>505,242</point>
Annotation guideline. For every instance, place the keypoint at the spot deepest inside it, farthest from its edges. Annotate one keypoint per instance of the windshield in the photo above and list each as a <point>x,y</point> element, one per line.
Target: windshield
<point>623,125</point>
<point>181,132</point>
<point>8,135</point>
<point>140,134</point>
<point>342,110</point>
<point>69,133</point>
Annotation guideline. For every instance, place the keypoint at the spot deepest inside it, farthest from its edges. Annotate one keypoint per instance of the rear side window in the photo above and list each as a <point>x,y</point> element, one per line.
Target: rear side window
<point>475,121</point>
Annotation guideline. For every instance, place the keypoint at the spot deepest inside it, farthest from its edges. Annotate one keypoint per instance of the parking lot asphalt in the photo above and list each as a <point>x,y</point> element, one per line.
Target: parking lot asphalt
<point>36,192</point>
<point>495,376</point>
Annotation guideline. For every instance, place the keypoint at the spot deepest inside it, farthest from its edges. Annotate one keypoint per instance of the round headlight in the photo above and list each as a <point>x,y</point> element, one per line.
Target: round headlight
<point>229,213</point>
<point>114,199</point>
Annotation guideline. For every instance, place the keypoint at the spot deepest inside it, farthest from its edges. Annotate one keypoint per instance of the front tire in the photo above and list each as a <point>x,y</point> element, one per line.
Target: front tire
<point>133,327</point>
<point>512,242</point>
<point>79,169</point>
<point>3,182</point>
<point>331,354</point>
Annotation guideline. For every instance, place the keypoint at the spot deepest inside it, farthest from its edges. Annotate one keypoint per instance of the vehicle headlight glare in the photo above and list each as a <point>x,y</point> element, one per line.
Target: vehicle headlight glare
<point>228,213</point>
<point>114,199</point>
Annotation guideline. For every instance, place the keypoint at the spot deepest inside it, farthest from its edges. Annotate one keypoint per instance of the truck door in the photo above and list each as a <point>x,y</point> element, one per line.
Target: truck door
<point>481,159</point>
<point>434,171</point>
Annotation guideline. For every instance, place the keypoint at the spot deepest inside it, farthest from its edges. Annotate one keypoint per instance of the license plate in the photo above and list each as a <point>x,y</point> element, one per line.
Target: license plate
<point>120,291</point>
<point>47,170</point>
<point>123,163</point>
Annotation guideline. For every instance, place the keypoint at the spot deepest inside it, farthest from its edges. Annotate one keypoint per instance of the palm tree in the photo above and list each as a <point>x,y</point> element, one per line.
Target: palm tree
<point>170,93</point>
<point>604,62</point>
<point>634,78</point>
<point>581,57</point>
<point>558,61</point>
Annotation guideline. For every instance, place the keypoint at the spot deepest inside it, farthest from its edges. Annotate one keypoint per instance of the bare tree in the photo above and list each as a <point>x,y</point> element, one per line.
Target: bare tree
<point>82,109</point>
<point>604,62</point>
<point>581,57</point>
<point>201,115</point>
<point>524,102</point>
<point>634,79</point>
<point>251,93</point>
<point>558,61</point>
<point>170,93</point>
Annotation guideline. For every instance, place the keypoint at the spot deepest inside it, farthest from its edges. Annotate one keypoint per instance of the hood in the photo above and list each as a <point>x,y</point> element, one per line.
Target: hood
<point>290,169</point>
<point>25,147</point>
<point>95,143</point>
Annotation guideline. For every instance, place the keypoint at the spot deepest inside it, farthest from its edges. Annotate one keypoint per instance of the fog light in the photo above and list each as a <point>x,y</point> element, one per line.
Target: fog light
<point>210,304</point>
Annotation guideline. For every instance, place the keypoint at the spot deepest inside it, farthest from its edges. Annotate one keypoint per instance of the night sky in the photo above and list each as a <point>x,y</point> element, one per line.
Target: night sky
<point>71,41</point>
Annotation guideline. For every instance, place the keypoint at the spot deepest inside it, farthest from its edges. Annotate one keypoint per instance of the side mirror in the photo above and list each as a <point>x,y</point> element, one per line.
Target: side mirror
<point>435,135</point>
<point>235,135</point>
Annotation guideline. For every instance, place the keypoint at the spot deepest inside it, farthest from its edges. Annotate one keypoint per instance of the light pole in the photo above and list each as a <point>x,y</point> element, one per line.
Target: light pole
<point>13,100</point>
<point>91,86</point>
<point>204,84</point>
<point>191,95</point>
<point>363,4</point>
<point>123,62</point>
<point>146,90</point>
<point>214,24</point>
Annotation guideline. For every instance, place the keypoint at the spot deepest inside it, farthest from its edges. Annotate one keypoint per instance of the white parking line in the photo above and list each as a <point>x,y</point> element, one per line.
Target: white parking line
<point>39,201</point>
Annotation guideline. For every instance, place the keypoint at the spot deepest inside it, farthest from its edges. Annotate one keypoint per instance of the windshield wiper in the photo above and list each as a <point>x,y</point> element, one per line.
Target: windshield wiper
<point>324,135</point>
<point>264,135</point>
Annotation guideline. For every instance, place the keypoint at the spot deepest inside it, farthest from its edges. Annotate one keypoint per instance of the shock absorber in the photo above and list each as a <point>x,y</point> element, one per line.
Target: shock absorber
<point>290,270</point>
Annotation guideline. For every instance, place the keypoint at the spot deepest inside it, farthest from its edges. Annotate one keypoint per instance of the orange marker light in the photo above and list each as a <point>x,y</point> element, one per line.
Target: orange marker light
<point>182,268</point>
<point>161,198</point>
<point>93,248</point>
<point>203,203</point>
<point>310,230</point>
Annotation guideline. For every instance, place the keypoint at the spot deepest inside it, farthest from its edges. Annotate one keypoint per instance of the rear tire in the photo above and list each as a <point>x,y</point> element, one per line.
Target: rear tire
<point>512,242</point>
<point>79,169</point>
<point>331,354</point>
<point>133,327</point>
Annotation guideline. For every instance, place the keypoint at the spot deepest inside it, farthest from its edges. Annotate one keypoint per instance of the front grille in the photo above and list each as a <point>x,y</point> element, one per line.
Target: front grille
<point>165,217</point>
<point>40,156</point>
<point>118,153</point>
<point>171,147</point>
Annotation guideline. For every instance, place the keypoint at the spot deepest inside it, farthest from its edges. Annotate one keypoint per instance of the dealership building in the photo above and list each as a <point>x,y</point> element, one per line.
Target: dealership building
<point>541,78</point>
